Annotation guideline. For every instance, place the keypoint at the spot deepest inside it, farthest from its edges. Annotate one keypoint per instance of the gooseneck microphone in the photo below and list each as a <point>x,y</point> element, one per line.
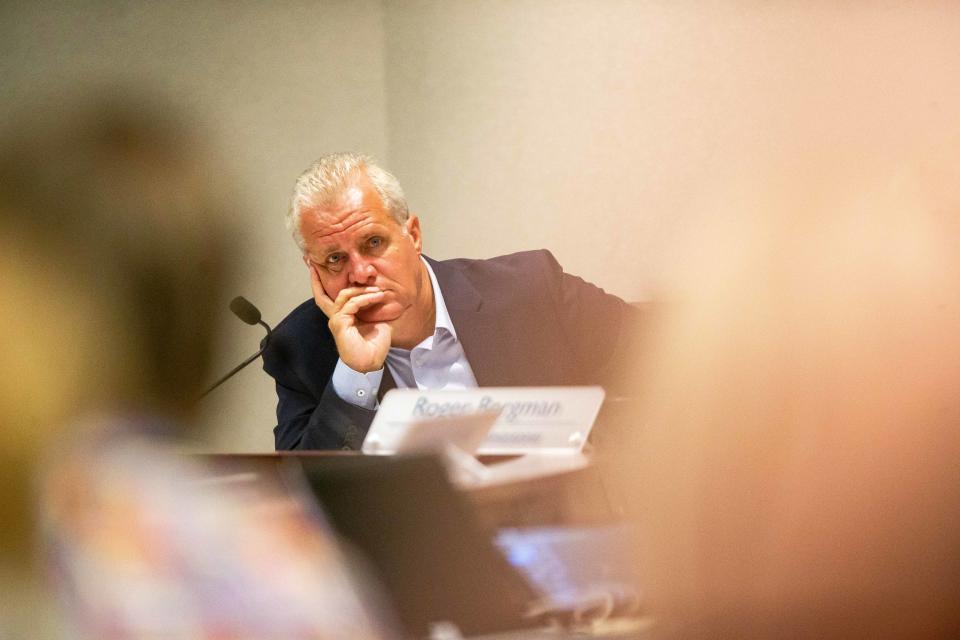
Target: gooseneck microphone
<point>243,309</point>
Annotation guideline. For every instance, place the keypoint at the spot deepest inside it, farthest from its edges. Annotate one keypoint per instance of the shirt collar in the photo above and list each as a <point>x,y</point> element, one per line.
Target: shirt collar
<point>443,320</point>
<point>442,317</point>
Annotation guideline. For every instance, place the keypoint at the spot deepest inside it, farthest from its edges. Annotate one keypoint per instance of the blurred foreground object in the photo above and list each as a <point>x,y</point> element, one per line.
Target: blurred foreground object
<point>113,256</point>
<point>796,468</point>
<point>150,544</point>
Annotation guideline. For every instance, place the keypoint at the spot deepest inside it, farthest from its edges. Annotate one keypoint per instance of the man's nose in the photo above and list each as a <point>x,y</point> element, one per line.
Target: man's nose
<point>362,272</point>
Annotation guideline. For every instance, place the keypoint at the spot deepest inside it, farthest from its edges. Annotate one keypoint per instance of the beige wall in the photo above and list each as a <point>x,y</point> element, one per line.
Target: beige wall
<point>604,131</point>
<point>274,83</point>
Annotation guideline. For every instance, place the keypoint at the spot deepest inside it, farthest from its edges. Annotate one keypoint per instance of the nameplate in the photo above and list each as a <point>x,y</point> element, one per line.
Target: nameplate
<point>530,419</point>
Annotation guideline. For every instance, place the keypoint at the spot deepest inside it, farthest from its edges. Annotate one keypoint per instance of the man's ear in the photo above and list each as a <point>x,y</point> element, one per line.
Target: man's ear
<point>412,229</point>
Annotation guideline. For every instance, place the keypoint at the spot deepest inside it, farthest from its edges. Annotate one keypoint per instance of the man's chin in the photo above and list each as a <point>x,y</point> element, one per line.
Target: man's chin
<point>380,313</point>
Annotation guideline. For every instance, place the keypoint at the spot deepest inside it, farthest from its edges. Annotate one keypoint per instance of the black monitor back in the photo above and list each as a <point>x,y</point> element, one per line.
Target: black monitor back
<point>423,542</point>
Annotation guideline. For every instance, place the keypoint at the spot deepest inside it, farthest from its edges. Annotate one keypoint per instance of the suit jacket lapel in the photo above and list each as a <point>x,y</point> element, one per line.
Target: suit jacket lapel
<point>386,383</point>
<point>477,328</point>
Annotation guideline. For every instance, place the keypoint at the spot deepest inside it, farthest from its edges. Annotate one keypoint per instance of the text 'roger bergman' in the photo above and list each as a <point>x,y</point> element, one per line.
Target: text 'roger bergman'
<point>509,411</point>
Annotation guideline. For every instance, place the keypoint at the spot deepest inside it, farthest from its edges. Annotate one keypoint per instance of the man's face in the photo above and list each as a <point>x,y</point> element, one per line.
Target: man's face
<point>356,242</point>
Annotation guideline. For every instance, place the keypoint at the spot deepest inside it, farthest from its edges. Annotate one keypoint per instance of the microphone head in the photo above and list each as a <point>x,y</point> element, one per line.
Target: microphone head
<point>244,309</point>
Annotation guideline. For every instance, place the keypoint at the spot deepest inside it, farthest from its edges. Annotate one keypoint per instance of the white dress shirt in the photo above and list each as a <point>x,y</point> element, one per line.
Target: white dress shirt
<point>438,362</point>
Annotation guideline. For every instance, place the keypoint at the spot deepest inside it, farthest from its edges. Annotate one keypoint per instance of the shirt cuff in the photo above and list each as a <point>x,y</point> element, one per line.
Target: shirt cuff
<point>357,388</point>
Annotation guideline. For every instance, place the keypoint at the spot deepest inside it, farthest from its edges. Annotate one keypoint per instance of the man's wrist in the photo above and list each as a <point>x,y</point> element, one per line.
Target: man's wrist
<point>356,387</point>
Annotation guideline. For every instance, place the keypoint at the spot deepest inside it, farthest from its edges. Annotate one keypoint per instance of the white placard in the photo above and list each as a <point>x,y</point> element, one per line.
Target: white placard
<point>531,420</point>
<point>466,433</point>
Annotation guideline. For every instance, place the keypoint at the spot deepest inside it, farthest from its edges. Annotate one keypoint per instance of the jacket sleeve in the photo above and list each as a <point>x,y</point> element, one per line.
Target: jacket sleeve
<point>306,423</point>
<point>300,358</point>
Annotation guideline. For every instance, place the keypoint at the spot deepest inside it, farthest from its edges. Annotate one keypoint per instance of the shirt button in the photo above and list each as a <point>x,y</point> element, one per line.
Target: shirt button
<point>361,393</point>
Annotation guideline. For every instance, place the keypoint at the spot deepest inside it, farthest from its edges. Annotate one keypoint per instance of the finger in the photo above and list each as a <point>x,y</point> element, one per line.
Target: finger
<point>354,304</point>
<point>346,317</point>
<point>350,292</point>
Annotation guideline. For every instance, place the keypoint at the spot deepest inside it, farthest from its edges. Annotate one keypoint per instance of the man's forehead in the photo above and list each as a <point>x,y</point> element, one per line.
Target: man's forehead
<point>352,196</point>
<point>352,199</point>
<point>358,193</point>
<point>322,232</point>
<point>329,229</point>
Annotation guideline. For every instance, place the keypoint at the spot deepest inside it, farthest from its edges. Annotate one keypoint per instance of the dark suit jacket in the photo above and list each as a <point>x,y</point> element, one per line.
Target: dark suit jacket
<point>521,320</point>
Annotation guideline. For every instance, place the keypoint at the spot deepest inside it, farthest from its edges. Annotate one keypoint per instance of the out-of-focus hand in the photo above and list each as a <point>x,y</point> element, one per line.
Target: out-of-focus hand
<point>362,346</point>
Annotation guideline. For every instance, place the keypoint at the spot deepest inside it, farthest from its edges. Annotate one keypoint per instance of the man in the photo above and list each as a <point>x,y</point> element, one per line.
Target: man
<point>384,316</point>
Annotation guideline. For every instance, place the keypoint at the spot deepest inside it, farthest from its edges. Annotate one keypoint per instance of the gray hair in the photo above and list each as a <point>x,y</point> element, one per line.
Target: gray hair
<point>331,175</point>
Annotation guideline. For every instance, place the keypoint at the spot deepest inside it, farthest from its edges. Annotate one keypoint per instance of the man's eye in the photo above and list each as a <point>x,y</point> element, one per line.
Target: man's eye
<point>334,262</point>
<point>375,241</point>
